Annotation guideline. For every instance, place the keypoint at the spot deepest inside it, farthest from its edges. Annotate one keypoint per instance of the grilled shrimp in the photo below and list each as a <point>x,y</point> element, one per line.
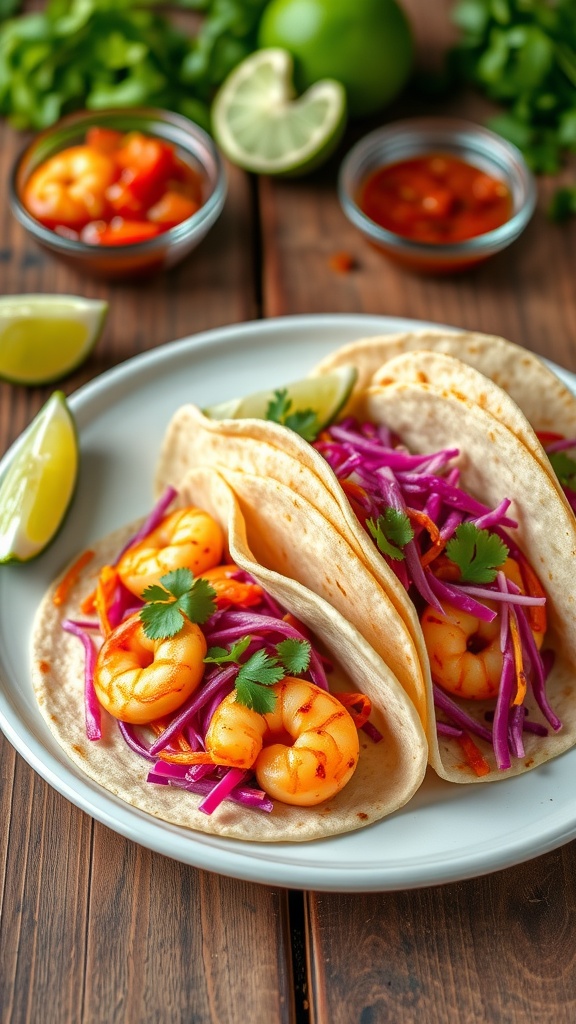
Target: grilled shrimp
<point>303,752</point>
<point>138,680</point>
<point>187,538</point>
<point>465,655</point>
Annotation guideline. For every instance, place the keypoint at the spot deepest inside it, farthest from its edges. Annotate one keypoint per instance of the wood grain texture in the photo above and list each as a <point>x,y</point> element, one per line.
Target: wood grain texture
<point>500,948</point>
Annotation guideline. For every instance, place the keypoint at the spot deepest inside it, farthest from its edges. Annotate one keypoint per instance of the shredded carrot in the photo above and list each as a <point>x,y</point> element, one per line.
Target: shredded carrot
<point>68,581</point>
<point>107,581</point>
<point>88,605</point>
<point>429,556</point>
<point>159,725</point>
<point>536,613</point>
<point>354,492</point>
<point>186,757</point>
<point>518,662</point>
<point>421,519</point>
<point>293,621</point>
<point>358,705</point>
<point>230,591</point>
<point>473,756</point>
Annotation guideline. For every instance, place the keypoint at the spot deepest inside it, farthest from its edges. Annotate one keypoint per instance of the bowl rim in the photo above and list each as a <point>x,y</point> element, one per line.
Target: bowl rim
<point>449,127</point>
<point>202,218</point>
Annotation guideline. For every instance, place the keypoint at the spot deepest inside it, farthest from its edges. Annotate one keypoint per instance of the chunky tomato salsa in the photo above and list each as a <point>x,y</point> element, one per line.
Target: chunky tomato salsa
<point>436,198</point>
<point>114,189</point>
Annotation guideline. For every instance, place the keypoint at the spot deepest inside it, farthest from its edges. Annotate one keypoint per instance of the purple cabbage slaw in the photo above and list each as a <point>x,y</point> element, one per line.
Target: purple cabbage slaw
<point>386,475</point>
<point>265,623</point>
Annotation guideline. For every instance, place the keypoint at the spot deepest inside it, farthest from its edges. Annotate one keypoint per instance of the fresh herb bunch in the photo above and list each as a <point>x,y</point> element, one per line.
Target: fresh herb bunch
<point>522,53</point>
<point>118,53</point>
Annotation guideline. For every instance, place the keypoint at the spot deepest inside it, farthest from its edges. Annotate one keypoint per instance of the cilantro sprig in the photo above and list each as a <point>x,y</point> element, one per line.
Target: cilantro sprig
<point>477,553</point>
<point>262,669</point>
<point>179,594</point>
<point>304,421</point>
<point>564,468</point>
<point>391,531</point>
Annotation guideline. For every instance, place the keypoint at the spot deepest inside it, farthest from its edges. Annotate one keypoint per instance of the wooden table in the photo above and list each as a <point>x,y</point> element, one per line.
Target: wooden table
<point>98,930</point>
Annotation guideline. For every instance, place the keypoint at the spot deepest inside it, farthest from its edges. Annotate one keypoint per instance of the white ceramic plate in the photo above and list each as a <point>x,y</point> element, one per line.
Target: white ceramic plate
<point>447,832</point>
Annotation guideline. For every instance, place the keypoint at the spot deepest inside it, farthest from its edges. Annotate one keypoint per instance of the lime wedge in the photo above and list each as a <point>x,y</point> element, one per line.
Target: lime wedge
<point>326,396</point>
<point>260,124</point>
<point>45,337</point>
<point>39,483</point>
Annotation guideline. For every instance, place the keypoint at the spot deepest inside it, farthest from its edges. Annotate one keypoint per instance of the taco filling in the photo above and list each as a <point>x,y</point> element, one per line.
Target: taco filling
<point>210,679</point>
<point>481,606</point>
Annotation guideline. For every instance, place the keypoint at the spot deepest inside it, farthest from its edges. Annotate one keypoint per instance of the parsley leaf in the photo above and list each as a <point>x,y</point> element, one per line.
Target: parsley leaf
<point>477,553</point>
<point>391,531</point>
<point>304,422</point>
<point>564,467</point>
<point>180,595</point>
<point>294,655</point>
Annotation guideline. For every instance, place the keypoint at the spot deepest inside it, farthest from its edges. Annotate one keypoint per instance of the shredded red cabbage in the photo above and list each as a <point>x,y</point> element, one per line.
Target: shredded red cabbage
<point>382,475</point>
<point>91,705</point>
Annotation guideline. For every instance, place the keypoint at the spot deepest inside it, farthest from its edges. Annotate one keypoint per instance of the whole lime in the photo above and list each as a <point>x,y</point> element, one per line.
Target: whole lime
<point>366,45</point>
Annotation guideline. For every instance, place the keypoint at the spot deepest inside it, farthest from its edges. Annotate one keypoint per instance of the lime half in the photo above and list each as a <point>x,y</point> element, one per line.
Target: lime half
<point>45,337</point>
<point>39,483</point>
<point>260,124</point>
<point>325,396</point>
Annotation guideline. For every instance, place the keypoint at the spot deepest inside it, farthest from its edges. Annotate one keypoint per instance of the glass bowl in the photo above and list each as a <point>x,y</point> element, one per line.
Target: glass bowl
<point>192,144</point>
<point>470,142</point>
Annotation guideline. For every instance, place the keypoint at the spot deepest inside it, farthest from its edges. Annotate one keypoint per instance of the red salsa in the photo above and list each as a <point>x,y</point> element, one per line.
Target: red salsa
<point>435,198</point>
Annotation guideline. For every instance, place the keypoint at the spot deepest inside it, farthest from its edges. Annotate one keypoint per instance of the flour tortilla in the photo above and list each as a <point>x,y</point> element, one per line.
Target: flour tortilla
<point>447,373</point>
<point>543,398</point>
<point>388,773</point>
<point>494,465</point>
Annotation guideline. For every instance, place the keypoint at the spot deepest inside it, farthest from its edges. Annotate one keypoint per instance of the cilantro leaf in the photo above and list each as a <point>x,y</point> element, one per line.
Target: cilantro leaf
<point>260,671</point>
<point>161,621</point>
<point>477,553</point>
<point>294,655</point>
<point>219,655</point>
<point>391,531</point>
<point>261,668</point>
<point>564,468</point>
<point>303,421</point>
<point>254,696</point>
<point>179,595</point>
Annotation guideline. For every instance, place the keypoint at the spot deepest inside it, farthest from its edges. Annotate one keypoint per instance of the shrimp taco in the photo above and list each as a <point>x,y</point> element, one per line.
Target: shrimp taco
<point>213,693</point>
<point>468,540</point>
<point>541,404</point>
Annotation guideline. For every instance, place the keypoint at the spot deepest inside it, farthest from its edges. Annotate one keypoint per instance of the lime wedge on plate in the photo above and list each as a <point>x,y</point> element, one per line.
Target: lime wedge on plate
<point>39,483</point>
<point>45,337</point>
<point>260,124</point>
<point>325,396</point>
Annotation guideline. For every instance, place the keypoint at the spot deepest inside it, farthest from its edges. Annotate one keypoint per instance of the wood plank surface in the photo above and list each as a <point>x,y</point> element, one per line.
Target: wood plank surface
<point>94,928</point>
